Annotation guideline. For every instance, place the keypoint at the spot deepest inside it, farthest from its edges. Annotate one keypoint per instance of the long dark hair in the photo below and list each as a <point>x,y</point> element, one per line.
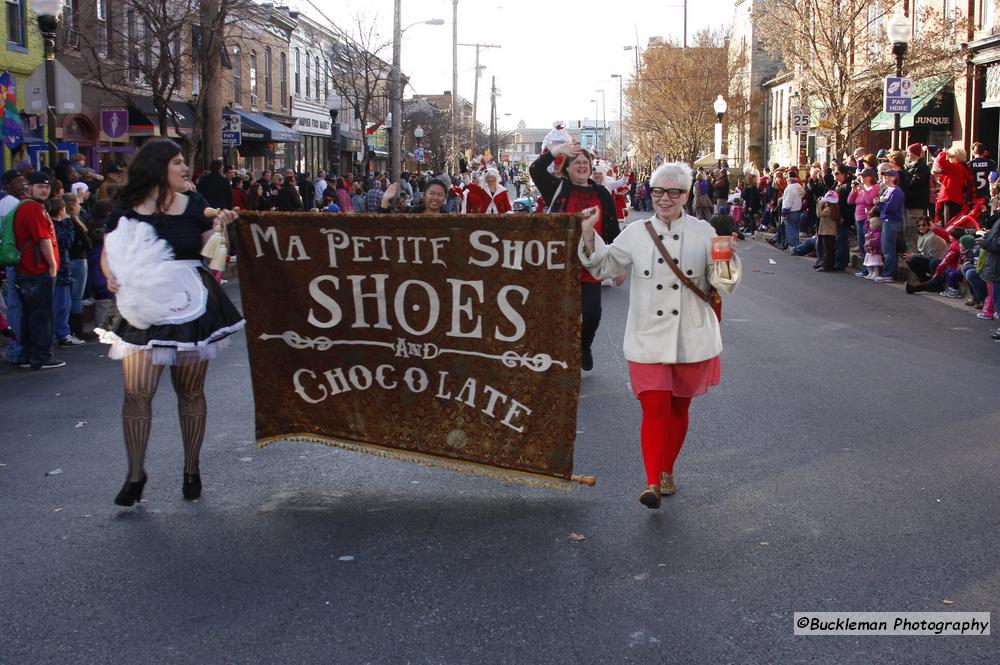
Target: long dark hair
<point>148,172</point>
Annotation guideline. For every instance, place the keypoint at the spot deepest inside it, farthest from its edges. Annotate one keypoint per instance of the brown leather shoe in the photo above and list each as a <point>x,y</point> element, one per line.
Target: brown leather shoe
<point>667,486</point>
<point>650,497</point>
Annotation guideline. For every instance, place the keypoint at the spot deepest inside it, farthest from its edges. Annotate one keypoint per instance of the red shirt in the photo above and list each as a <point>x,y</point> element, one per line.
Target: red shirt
<point>31,225</point>
<point>579,200</point>
<point>239,198</point>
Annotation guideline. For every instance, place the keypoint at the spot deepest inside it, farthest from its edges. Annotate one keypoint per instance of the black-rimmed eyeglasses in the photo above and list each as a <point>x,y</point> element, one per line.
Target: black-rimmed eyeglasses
<point>672,193</point>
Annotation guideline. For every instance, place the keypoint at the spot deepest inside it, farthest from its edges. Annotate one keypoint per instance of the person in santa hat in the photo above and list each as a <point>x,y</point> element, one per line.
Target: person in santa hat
<point>490,198</point>
<point>618,187</point>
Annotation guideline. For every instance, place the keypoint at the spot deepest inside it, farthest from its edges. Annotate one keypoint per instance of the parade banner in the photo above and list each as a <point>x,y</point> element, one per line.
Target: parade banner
<point>448,340</point>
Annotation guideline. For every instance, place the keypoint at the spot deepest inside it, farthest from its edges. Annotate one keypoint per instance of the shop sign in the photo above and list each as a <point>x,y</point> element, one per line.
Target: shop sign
<point>933,120</point>
<point>311,122</point>
<point>114,124</point>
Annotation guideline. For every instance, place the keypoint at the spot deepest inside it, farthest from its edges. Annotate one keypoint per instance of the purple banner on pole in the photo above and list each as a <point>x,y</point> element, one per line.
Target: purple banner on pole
<point>114,123</point>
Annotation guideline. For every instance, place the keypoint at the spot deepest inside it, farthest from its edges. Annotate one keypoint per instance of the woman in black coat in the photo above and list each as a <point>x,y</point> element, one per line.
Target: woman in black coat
<point>570,189</point>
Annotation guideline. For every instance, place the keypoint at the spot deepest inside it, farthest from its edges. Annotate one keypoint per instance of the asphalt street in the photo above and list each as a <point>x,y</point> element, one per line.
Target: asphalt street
<point>848,462</point>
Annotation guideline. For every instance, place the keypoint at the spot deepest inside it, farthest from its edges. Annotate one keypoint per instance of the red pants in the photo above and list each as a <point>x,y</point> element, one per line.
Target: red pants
<point>664,426</point>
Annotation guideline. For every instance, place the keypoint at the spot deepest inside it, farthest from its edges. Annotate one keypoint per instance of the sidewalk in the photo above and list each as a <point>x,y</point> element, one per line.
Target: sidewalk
<point>761,237</point>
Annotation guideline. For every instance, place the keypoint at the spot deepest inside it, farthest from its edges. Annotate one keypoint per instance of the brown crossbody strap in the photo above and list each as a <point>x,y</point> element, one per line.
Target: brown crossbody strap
<point>673,266</point>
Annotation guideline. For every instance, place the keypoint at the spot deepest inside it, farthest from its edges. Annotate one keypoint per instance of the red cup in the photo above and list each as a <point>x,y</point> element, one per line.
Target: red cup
<point>722,248</point>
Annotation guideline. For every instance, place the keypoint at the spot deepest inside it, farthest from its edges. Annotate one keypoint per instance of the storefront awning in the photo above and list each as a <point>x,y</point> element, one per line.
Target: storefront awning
<point>180,116</point>
<point>139,123</point>
<point>258,127</point>
<point>932,107</point>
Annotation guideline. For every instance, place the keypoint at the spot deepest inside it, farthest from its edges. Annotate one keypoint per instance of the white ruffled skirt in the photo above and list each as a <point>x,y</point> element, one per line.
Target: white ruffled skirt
<point>177,343</point>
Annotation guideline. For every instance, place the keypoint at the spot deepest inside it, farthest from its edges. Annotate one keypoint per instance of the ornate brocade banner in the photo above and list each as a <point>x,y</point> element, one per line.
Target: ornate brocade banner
<point>447,340</point>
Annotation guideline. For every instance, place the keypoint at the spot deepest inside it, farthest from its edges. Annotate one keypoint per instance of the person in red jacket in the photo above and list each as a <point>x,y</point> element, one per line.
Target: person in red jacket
<point>955,177</point>
<point>491,199</point>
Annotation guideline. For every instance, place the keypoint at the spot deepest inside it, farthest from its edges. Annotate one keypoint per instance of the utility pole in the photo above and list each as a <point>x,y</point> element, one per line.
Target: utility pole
<point>395,95</point>
<point>475,93</point>
<point>453,139</point>
<point>493,117</point>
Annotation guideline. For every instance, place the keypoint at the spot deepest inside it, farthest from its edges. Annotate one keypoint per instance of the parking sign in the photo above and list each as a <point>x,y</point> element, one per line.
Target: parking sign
<point>898,97</point>
<point>232,129</point>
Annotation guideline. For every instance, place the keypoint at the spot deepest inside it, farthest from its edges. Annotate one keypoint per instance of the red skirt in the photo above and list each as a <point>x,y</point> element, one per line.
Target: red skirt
<point>681,379</point>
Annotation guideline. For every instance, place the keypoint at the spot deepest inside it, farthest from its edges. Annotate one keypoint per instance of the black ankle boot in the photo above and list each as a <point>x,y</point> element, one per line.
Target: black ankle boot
<point>131,493</point>
<point>192,486</point>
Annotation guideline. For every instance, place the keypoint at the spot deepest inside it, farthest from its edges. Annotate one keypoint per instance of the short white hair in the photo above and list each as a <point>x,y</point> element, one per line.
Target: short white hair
<point>492,173</point>
<point>677,173</point>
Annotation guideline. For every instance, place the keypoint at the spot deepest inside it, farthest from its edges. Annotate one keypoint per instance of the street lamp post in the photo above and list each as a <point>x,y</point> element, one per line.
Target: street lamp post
<point>333,106</point>
<point>418,134</point>
<point>720,107</point>
<point>900,31</point>
<point>621,119</point>
<point>395,91</point>
<point>49,12</point>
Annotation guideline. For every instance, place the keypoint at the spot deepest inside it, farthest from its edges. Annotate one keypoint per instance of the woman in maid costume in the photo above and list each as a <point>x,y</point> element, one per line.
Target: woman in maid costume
<point>170,311</point>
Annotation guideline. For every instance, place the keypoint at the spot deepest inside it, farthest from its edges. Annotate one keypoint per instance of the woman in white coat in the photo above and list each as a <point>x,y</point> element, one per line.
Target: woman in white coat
<point>672,336</point>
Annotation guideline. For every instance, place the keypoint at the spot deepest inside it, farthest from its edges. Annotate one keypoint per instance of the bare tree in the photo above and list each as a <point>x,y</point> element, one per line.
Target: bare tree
<point>670,103</point>
<point>142,53</point>
<point>436,124</point>
<point>838,53</point>
<point>155,48</point>
<point>360,74</point>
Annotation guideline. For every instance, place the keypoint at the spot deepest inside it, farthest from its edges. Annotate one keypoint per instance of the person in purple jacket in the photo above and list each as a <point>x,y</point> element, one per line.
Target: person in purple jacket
<point>892,212</point>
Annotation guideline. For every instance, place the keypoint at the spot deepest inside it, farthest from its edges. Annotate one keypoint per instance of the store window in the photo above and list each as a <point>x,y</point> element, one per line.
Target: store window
<point>237,77</point>
<point>283,78</point>
<point>253,79</point>
<point>268,96</point>
<point>298,70</point>
<point>101,13</point>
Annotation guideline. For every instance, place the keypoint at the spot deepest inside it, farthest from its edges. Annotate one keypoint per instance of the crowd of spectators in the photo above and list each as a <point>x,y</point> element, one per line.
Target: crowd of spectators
<point>931,211</point>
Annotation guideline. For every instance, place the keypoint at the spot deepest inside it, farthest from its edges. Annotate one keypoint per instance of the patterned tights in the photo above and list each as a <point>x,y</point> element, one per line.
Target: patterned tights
<point>664,426</point>
<point>141,380</point>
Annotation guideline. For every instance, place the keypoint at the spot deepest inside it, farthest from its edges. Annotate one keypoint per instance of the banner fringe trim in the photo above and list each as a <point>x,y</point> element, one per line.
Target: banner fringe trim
<point>424,459</point>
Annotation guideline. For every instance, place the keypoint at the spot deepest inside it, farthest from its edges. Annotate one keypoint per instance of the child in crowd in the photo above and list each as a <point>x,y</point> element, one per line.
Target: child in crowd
<point>873,247</point>
<point>62,296</point>
<point>948,271</point>
<point>828,213</point>
<point>97,282</point>
<point>977,285</point>
<point>736,212</point>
